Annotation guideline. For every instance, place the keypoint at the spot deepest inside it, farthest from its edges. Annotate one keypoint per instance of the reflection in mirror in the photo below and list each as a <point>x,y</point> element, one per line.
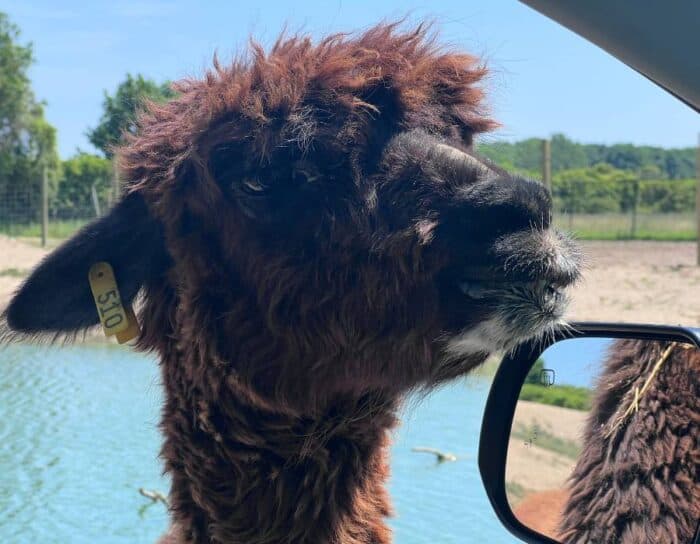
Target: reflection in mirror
<point>605,442</point>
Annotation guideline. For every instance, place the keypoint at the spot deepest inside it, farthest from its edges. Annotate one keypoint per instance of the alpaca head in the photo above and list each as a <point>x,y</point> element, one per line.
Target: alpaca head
<point>315,219</point>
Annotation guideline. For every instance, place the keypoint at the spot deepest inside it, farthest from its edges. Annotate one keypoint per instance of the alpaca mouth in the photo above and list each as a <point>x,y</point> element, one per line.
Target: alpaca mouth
<point>495,315</point>
<point>518,295</point>
<point>548,296</point>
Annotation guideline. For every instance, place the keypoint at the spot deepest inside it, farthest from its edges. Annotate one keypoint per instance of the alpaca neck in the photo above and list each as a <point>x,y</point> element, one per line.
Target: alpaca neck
<point>245,474</point>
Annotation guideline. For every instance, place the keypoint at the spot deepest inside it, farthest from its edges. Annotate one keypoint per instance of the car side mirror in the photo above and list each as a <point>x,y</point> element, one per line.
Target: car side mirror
<point>593,435</point>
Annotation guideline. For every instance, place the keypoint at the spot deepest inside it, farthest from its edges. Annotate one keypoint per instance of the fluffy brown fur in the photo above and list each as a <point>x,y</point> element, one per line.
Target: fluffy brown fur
<point>305,460</point>
<point>287,443</point>
<point>642,483</point>
<point>313,237</point>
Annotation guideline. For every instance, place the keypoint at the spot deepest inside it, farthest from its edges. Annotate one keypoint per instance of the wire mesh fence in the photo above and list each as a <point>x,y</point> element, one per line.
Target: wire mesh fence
<point>592,209</point>
<point>46,209</point>
<point>627,209</point>
<point>623,226</point>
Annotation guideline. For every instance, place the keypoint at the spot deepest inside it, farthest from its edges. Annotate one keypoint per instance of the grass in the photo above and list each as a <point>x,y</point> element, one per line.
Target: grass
<point>13,273</point>
<point>603,226</point>
<point>565,396</point>
<point>57,229</point>
<point>617,226</point>
<point>546,440</point>
<point>515,493</point>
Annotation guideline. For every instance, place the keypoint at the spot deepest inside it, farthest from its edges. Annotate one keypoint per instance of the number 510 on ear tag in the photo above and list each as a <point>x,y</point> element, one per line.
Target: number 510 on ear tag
<point>115,319</point>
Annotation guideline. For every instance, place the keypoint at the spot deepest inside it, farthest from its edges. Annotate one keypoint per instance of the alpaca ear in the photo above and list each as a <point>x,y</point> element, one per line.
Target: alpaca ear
<point>56,298</point>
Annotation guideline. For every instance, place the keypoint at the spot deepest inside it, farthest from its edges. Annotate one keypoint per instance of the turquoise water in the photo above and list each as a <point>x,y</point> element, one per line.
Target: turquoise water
<point>79,435</point>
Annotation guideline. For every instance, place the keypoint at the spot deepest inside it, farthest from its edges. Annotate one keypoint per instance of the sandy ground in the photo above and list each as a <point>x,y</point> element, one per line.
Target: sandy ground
<point>16,259</point>
<point>535,468</point>
<point>542,474</point>
<point>638,281</point>
<point>646,282</point>
<point>562,422</point>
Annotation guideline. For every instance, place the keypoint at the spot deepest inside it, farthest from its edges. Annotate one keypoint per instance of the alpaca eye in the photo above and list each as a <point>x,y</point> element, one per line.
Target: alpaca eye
<point>303,176</point>
<point>253,186</point>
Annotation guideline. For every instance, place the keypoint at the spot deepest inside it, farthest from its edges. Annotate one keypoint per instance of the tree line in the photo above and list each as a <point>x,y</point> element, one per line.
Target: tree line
<point>594,178</point>
<point>647,161</point>
<point>588,178</point>
<point>28,143</point>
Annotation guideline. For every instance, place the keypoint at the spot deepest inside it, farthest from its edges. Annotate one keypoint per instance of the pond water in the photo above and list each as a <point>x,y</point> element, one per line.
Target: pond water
<point>79,435</point>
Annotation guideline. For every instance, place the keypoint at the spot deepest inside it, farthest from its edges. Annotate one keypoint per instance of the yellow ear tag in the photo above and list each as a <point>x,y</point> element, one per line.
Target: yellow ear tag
<point>116,320</point>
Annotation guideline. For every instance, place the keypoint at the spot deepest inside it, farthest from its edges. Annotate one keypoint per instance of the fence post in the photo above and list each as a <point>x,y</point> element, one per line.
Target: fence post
<point>44,205</point>
<point>95,200</point>
<point>547,163</point>
<point>697,203</point>
<point>635,203</point>
<point>572,205</point>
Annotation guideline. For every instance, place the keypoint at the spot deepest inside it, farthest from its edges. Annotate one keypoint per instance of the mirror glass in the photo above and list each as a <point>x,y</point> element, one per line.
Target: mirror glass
<point>605,442</point>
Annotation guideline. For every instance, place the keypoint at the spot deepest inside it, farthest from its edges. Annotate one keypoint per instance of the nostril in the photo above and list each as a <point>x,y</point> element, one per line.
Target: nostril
<point>554,293</point>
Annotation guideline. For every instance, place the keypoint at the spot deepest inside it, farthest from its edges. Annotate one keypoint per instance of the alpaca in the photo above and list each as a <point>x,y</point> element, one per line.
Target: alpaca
<point>312,236</point>
<point>638,477</point>
<point>636,480</point>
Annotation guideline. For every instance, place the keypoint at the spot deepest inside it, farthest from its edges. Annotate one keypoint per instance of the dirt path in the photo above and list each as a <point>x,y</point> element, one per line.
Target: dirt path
<point>643,282</point>
<point>562,422</point>
<point>17,258</point>
<point>536,477</point>
<point>530,465</point>
<point>536,469</point>
<point>654,282</point>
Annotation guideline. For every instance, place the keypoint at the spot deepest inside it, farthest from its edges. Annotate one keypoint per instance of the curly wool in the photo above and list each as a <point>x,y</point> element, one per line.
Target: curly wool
<point>280,393</point>
<point>640,483</point>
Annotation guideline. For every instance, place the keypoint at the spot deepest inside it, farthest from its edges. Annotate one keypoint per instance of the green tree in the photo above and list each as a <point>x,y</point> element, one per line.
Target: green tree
<point>601,188</point>
<point>78,175</point>
<point>567,154</point>
<point>121,109</point>
<point>525,156</point>
<point>534,376</point>
<point>668,196</point>
<point>650,171</point>
<point>27,140</point>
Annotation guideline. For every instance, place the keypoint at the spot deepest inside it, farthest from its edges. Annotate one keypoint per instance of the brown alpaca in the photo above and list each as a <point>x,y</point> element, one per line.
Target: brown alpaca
<point>639,482</point>
<point>313,237</point>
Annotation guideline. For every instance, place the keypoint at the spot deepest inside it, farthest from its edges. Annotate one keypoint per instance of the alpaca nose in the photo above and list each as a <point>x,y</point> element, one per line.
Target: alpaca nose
<point>539,255</point>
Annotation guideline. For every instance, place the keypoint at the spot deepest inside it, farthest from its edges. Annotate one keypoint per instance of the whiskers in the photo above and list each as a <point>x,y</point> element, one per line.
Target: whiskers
<point>549,334</point>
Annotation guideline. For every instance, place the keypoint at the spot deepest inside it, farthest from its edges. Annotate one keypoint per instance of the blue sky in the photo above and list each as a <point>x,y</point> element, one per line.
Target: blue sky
<point>544,78</point>
<point>577,361</point>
